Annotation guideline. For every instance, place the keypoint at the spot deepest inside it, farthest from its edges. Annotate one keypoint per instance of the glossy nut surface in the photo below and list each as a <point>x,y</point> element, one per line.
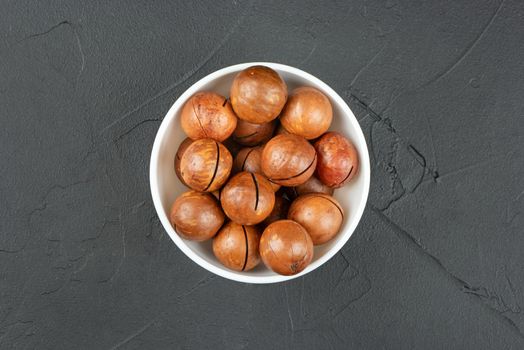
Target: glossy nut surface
<point>312,185</point>
<point>208,115</point>
<point>258,94</point>
<point>337,159</point>
<point>205,165</point>
<point>320,214</point>
<point>181,149</point>
<point>248,159</point>
<point>288,160</point>
<point>236,246</point>
<point>250,134</point>
<point>196,216</point>
<point>285,247</point>
<point>307,113</point>
<point>247,198</point>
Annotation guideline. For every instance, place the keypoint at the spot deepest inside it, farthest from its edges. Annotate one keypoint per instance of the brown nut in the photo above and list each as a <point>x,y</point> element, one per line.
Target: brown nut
<point>181,149</point>
<point>307,113</point>
<point>216,194</point>
<point>320,214</point>
<point>208,115</point>
<point>249,159</point>
<point>280,209</point>
<point>247,198</point>
<point>312,185</point>
<point>236,246</point>
<point>285,247</point>
<point>196,216</point>
<point>250,134</point>
<point>288,160</point>
<point>258,94</point>
<point>205,165</point>
<point>337,159</point>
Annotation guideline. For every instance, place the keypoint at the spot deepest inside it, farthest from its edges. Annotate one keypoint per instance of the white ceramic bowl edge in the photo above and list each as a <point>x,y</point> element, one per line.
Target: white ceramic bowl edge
<point>165,186</point>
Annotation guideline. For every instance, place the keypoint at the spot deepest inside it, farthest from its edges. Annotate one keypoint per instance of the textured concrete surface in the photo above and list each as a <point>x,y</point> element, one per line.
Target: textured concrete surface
<point>436,263</point>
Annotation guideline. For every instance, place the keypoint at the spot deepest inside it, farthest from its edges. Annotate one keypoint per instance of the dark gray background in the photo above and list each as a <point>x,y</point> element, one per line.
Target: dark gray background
<point>436,262</point>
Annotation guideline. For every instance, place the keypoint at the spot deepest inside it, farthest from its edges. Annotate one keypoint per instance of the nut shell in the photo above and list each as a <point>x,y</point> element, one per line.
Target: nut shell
<point>258,94</point>
<point>236,246</point>
<point>307,113</point>
<point>312,185</point>
<point>285,247</point>
<point>280,209</point>
<point>320,214</point>
<point>247,198</point>
<point>208,115</point>
<point>288,160</point>
<point>216,194</point>
<point>205,165</point>
<point>250,134</point>
<point>249,159</point>
<point>196,216</point>
<point>338,159</point>
<point>181,149</point>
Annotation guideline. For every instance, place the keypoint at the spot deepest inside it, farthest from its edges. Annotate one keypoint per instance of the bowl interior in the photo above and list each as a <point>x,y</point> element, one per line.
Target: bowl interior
<point>166,187</point>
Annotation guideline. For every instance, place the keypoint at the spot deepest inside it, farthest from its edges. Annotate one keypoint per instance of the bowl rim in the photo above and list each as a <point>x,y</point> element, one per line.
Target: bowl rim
<point>153,173</point>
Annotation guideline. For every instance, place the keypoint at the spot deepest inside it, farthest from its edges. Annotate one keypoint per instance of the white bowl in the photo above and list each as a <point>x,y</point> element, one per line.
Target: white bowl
<point>165,186</point>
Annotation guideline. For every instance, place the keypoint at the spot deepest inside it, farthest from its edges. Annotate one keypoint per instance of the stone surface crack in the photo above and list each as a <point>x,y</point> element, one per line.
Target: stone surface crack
<point>466,168</point>
<point>123,256</point>
<point>290,318</point>
<point>417,155</point>
<point>77,38</point>
<point>354,300</point>
<point>137,125</point>
<point>309,54</point>
<point>464,286</point>
<point>369,63</point>
<point>196,287</point>
<point>467,49</point>
<point>35,35</point>
<point>134,335</point>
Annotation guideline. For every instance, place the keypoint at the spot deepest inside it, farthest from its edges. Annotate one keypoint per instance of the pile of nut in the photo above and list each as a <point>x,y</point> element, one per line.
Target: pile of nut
<point>271,200</point>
